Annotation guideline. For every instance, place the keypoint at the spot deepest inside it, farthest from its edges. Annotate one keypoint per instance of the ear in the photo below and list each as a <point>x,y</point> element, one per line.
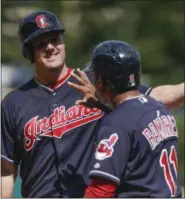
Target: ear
<point>99,83</point>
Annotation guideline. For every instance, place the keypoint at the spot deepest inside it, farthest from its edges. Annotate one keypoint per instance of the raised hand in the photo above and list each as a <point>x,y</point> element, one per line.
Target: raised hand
<point>84,86</point>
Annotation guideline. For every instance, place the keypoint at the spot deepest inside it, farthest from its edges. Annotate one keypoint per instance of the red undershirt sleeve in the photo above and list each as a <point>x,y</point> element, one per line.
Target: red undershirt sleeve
<point>101,188</point>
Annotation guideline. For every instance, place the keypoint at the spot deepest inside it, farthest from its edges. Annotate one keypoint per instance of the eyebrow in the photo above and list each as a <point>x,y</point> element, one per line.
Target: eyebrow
<point>44,36</point>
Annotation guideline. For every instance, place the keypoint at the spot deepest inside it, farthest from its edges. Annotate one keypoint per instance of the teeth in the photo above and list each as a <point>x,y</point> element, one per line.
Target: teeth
<point>52,56</point>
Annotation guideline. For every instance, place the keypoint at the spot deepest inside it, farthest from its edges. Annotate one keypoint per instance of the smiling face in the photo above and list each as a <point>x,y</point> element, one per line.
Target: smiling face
<point>49,51</point>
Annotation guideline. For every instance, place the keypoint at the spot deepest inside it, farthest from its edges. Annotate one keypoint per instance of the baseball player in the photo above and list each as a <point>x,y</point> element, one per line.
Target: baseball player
<point>42,129</point>
<point>136,153</point>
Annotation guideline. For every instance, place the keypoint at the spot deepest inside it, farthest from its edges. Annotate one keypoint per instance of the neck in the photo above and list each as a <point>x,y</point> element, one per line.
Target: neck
<point>50,77</point>
<point>118,99</point>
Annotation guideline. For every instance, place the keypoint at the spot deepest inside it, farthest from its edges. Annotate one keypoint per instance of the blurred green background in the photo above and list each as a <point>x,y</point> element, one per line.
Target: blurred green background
<point>155,28</point>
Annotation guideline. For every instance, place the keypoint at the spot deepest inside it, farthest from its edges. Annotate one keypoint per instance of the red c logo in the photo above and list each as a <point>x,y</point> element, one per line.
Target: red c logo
<point>41,21</point>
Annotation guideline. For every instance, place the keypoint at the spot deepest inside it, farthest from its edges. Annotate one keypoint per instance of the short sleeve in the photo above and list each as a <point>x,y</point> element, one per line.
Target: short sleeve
<point>145,90</point>
<point>9,145</point>
<point>111,155</point>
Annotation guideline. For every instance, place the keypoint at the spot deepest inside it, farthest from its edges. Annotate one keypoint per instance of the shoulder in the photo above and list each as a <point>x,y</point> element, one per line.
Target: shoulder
<point>145,89</point>
<point>127,114</point>
<point>17,95</point>
<point>116,119</point>
<point>112,133</point>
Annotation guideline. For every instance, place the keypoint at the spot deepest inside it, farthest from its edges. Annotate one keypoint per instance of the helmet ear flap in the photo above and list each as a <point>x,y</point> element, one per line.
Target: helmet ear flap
<point>27,53</point>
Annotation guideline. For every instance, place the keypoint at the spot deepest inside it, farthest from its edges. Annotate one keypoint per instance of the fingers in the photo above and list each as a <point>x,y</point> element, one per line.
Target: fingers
<point>83,75</point>
<point>77,86</point>
<point>78,102</point>
<point>81,80</point>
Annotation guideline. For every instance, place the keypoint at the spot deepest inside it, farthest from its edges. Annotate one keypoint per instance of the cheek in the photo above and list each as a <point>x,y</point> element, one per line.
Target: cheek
<point>37,56</point>
<point>38,52</point>
<point>101,93</point>
<point>61,48</point>
<point>63,53</point>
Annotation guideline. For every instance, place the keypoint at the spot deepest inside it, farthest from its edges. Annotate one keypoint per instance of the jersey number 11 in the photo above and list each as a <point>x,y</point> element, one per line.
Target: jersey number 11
<point>165,161</point>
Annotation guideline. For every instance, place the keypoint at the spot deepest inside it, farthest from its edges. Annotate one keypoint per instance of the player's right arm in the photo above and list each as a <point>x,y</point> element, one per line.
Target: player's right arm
<point>10,148</point>
<point>8,176</point>
<point>170,95</point>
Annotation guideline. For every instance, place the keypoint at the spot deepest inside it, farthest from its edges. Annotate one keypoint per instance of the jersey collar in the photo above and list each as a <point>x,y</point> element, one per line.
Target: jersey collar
<point>58,83</point>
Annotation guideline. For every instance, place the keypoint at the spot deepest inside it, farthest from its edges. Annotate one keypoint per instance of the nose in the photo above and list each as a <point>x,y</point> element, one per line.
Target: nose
<point>49,46</point>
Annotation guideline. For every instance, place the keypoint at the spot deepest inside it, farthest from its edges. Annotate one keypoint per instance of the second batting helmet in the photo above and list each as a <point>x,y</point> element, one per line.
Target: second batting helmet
<point>118,63</point>
<point>35,24</point>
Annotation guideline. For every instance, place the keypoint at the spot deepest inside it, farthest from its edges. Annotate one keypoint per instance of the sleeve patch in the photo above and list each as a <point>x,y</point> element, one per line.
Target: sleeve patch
<point>105,147</point>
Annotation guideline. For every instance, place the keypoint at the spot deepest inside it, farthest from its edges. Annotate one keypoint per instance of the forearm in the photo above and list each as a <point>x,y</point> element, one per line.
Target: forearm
<point>171,95</point>
<point>8,176</point>
<point>7,186</point>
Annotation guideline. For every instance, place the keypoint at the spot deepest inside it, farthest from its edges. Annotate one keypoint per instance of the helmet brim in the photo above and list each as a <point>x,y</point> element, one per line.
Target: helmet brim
<point>42,31</point>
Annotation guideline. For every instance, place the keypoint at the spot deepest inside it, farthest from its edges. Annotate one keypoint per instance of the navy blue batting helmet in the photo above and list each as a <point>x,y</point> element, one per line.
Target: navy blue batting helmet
<point>119,65</point>
<point>35,24</point>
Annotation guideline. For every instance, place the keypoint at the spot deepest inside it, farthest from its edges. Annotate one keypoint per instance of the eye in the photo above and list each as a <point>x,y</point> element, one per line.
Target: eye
<point>54,39</point>
<point>39,44</point>
<point>43,43</point>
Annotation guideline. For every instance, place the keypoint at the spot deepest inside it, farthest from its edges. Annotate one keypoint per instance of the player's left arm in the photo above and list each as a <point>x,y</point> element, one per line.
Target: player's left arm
<point>171,95</point>
<point>109,164</point>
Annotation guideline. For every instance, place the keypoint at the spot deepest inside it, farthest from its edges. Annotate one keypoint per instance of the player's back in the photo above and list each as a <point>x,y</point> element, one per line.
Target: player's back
<point>152,167</point>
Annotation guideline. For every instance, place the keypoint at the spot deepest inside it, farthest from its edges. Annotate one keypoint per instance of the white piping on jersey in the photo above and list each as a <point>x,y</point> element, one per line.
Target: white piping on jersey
<point>47,88</point>
<point>130,98</point>
<point>146,93</point>
<point>105,174</point>
<point>9,160</point>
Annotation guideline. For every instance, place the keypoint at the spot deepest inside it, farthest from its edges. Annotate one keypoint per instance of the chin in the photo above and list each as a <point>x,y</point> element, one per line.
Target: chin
<point>54,65</point>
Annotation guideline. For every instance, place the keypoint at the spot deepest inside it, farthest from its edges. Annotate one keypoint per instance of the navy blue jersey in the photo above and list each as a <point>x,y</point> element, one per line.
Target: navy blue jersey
<point>50,138</point>
<point>145,89</point>
<point>137,149</point>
